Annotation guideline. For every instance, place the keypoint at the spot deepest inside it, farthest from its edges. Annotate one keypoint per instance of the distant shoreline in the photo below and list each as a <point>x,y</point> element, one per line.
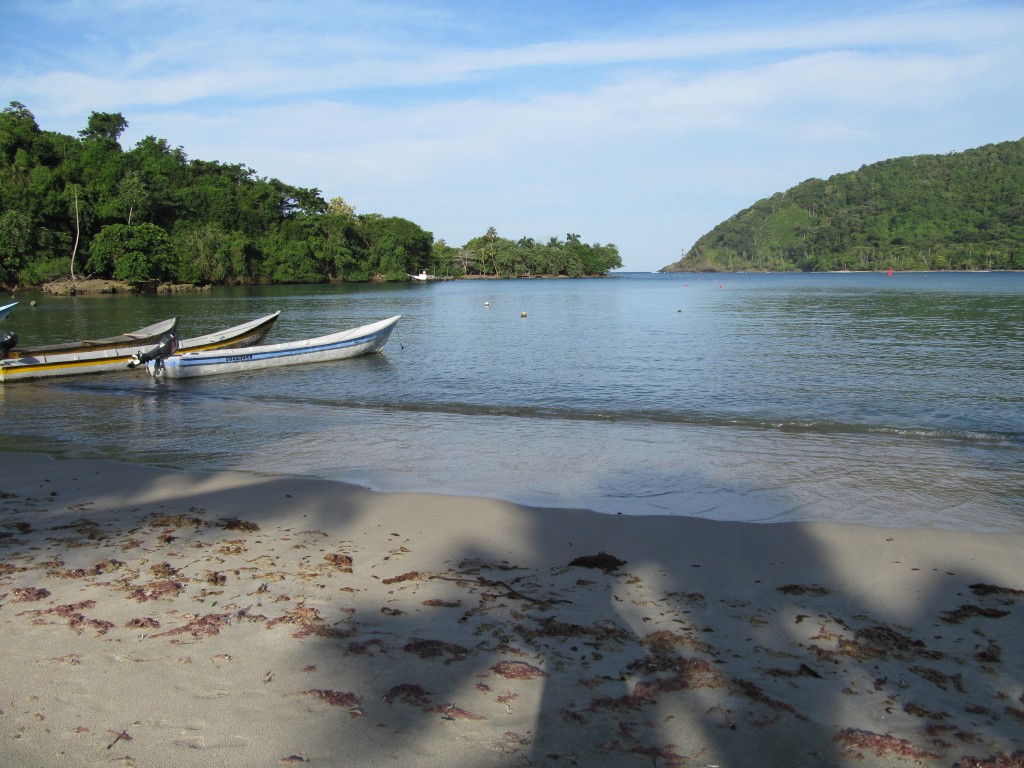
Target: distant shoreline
<point>92,287</point>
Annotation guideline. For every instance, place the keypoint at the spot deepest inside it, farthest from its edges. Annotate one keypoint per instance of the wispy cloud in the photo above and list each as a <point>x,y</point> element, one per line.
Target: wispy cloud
<point>643,129</point>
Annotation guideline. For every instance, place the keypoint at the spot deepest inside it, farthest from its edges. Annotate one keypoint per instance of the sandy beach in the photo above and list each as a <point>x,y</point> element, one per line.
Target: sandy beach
<point>152,617</point>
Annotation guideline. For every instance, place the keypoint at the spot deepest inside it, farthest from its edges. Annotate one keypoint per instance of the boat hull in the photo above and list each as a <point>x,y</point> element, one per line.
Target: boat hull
<point>114,354</point>
<point>363,340</point>
<point>244,335</point>
<point>75,358</point>
<point>5,310</point>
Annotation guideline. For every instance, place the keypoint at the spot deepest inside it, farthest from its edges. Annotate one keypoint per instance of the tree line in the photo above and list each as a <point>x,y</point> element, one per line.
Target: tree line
<point>960,211</point>
<point>82,206</point>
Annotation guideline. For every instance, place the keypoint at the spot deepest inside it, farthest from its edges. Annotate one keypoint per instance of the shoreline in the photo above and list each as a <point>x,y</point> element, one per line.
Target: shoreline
<point>155,616</point>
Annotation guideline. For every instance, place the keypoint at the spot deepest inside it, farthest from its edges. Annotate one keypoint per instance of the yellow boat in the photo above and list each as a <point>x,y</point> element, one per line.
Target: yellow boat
<point>114,353</point>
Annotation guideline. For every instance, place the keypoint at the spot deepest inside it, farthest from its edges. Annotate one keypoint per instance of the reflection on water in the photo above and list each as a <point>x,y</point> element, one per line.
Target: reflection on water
<point>770,398</point>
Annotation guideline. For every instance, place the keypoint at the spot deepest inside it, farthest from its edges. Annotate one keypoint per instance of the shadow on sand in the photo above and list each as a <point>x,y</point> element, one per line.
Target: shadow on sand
<point>289,621</point>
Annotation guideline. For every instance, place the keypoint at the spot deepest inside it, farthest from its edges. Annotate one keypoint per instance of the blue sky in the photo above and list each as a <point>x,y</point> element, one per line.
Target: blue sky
<point>642,124</point>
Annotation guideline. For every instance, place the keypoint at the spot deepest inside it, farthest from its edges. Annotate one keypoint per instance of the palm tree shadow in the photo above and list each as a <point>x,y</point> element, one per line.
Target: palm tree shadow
<point>383,628</point>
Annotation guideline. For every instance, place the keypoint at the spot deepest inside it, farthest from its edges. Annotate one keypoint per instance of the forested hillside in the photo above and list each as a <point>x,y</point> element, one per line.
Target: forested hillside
<point>961,211</point>
<point>77,206</point>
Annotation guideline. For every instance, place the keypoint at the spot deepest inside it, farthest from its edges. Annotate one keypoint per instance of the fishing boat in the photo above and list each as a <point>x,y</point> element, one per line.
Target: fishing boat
<point>5,310</point>
<point>114,353</point>
<point>364,340</point>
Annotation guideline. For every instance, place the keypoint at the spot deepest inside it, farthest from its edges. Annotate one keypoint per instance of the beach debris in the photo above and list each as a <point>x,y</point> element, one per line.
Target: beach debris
<point>235,524</point>
<point>517,670</point>
<point>690,598</point>
<point>510,592</point>
<point>76,619</point>
<point>143,622</point>
<point>964,612</point>
<point>451,712</point>
<point>200,626</point>
<point>883,745</point>
<point>310,623</point>
<point>664,641</point>
<point>29,594</point>
<point>992,654</point>
<point>177,521</point>
<point>119,736</point>
<point>300,614</point>
<point>601,561</point>
<point>360,648</point>
<point>408,693</point>
<point>154,590</point>
<point>232,547</point>
<point>438,603</point>
<point>435,649</point>
<point>104,566</point>
<point>410,576</point>
<point>599,631</point>
<point>335,698</point>
<point>322,630</point>
<point>803,589</point>
<point>879,640</point>
<point>292,760</point>
<point>802,671</point>
<point>417,696</point>
<point>163,570</point>
<point>340,560</point>
<point>918,710</point>
<point>981,590</point>
<point>940,679</point>
<point>215,578</point>
<point>402,550</point>
<point>1002,760</point>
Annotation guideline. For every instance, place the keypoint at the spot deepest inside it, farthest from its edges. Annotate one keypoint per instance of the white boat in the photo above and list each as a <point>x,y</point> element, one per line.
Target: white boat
<point>115,352</point>
<point>363,340</point>
<point>5,310</point>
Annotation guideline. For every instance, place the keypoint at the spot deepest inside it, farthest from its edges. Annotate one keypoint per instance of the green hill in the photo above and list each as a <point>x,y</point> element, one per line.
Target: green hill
<point>961,211</point>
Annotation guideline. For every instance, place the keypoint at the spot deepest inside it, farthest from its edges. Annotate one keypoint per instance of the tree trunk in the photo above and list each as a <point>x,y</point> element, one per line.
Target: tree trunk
<point>74,249</point>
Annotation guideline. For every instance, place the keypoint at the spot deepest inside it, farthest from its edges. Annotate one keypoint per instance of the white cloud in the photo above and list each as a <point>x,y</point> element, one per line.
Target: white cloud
<point>643,139</point>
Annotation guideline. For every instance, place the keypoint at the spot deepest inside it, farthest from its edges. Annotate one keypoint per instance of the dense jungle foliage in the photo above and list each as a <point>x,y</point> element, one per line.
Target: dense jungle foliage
<point>961,211</point>
<point>73,207</point>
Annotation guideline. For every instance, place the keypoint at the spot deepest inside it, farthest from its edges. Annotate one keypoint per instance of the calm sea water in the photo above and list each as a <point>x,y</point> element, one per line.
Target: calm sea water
<point>895,401</point>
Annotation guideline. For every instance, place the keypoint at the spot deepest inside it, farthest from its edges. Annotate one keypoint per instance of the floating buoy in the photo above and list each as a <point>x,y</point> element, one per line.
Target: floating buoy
<point>522,314</point>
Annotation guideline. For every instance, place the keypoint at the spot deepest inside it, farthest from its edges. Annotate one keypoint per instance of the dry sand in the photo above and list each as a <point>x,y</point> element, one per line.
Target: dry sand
<point>151,617</point>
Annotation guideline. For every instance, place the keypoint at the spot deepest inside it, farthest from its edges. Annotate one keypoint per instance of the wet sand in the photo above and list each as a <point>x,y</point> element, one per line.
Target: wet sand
<point>153,617</point>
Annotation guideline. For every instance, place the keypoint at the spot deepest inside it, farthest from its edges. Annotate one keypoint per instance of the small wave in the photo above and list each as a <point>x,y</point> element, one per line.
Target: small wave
<point>641,416</point>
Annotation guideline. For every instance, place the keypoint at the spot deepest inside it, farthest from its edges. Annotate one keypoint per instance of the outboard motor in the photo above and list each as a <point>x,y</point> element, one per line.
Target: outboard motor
<point>7,342</point>
<point>166,347</point>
